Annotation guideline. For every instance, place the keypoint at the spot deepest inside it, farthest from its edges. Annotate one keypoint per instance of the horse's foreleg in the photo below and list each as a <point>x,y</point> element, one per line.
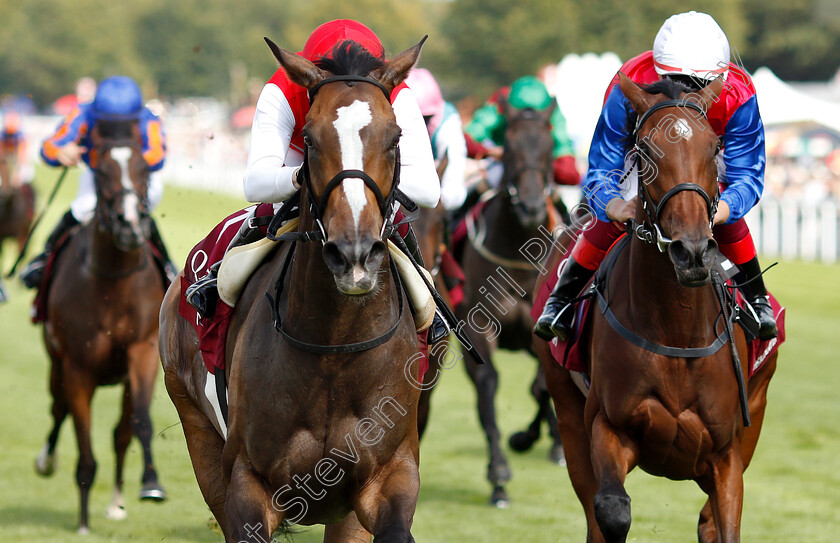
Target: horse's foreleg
<point>348,530</point>
<point>725,487</point>
<point>613,456</point>
<point>79,394</point>
<point>486,381</point>
<point>758,384</point>
<point>46,462</point>
<point>142,372</point>
<point>569,404</point>
<point>122,438</point>
<point>250,515</point>
<point>386,506</point>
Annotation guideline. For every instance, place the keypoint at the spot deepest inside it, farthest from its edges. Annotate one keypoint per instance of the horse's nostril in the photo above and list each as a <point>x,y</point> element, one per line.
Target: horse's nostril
<point>334,258</point>
<point>709,252</point>
<point>373,260</point>
<point>679,254</point>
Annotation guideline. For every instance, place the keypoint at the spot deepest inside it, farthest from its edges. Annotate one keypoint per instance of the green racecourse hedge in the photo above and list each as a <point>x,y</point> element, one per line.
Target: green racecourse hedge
<point>792,488</point>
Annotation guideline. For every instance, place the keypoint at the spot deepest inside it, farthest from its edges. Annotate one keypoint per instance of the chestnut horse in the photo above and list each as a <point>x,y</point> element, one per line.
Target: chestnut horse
<point>315,377</point>
<point>102,316</point>
<point>673,412</point>
<point>499,280</point>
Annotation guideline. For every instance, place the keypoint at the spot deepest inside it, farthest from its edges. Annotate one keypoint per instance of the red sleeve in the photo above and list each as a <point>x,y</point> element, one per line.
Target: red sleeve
<point>474,149</point>
<point>565,170</point>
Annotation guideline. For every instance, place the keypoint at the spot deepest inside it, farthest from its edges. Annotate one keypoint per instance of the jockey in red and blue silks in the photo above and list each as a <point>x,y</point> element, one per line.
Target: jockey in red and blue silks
<point>690,48</point>
<point>117,98</point>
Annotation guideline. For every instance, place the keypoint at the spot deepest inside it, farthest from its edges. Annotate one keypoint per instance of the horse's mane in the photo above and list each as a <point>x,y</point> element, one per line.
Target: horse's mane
<point>671,88</point>
<point>350,58</point>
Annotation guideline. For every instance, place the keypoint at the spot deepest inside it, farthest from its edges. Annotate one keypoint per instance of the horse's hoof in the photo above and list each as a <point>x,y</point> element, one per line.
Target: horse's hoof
<point>152,491</point>
<point>500,499</point>
<point>83,530</point>
<point>556,455</point>
<point>46,463</point>
<point>115,512</point>
<point>522,441</point>
<point>612,511</point>
<point>498,473</point>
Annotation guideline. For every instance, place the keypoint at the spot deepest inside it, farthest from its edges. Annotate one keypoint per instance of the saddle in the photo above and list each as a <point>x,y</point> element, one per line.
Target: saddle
<point>237,266</point>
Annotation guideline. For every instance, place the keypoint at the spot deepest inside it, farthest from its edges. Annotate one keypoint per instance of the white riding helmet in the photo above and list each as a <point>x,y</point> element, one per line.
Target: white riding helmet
<point>692,44</point>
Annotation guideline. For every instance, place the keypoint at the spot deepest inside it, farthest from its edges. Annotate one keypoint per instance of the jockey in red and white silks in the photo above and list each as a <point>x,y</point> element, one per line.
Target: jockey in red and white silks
<point>276,150</point>
<point>692,49</point>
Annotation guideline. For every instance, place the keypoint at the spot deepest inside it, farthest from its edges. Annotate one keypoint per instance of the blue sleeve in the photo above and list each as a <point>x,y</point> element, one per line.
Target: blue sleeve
<point>743,157</point>
<point>69,130</point>
<point>606,154</point>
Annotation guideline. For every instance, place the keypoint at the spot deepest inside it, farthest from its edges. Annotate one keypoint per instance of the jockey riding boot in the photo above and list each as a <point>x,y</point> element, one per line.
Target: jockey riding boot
<point>203,295</point>
<point>34,271</point>
<point>439,329</point>
<point>756,294</point>
<point>169,269</point>
<point>558,315</point>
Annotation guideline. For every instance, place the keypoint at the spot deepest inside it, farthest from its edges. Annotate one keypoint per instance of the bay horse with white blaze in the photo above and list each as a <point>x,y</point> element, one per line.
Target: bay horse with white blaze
<point>499,280</point>
<point>673,411</point>
<point>315,377</point>
<point>101,324</point>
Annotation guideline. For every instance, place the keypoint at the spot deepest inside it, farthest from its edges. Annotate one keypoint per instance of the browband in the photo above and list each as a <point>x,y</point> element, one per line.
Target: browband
<point>360,78</point>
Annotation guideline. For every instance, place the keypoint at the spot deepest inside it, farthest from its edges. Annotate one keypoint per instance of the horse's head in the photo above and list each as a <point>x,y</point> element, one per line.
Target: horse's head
<point>527,159</point>
<point>351,164</point>
<point>121,177</point>
<point>678,183</point>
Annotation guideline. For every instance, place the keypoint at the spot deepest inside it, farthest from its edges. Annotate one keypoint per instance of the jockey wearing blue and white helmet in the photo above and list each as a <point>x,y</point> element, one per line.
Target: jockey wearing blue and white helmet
<point>117,98</point>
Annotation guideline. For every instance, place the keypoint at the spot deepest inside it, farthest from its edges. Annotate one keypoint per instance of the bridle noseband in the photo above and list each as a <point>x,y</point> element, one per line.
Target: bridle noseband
<point>649,231</point>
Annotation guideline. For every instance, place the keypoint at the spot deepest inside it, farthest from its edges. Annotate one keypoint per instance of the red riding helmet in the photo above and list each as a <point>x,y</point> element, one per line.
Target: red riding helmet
<point>323,39</point>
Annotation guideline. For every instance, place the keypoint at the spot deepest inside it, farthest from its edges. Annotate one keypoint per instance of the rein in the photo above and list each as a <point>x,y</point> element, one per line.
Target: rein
<point>274,304</point>
<point>649,230</point>
<point>600,291</point>
<point>477,233</point>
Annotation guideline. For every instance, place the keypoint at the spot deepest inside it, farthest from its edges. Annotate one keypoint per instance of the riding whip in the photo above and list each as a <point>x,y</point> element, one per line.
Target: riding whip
<point>37,221</point>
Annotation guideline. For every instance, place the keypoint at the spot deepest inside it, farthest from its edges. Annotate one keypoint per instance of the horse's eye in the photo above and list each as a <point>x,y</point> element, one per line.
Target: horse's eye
<point>717,149</point>
<point>307,141</point>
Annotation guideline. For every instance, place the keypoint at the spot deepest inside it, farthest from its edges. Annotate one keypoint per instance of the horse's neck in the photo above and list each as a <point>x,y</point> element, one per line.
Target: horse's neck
<point>317,312</point>
<point>661,305</point>
<point>504,231</point>
<point>105,258</point>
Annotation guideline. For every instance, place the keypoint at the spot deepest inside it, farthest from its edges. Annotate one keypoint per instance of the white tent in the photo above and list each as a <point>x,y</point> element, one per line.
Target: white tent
<point>579,83</point>
<point>780,103</point>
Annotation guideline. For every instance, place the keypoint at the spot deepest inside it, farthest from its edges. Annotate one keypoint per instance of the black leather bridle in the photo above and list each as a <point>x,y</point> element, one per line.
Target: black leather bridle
<point>649,230</point>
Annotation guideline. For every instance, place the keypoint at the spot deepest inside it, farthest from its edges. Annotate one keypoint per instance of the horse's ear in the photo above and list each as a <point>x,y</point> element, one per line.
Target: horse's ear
<point>396,70</point>
<point>709,94</point>
<point>508,111</point>
<point>549,111</point>
<point>300,70</point>
<point>640,99</point>
<point>96,136</point>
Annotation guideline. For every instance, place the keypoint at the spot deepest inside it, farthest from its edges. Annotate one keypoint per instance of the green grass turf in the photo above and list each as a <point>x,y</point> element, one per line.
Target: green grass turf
<point>792,488</point>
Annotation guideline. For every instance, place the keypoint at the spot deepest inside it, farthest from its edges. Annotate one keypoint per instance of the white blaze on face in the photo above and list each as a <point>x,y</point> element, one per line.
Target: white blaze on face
<point>682,129</point>
<point>351,119</point>
<point>130,203</point>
